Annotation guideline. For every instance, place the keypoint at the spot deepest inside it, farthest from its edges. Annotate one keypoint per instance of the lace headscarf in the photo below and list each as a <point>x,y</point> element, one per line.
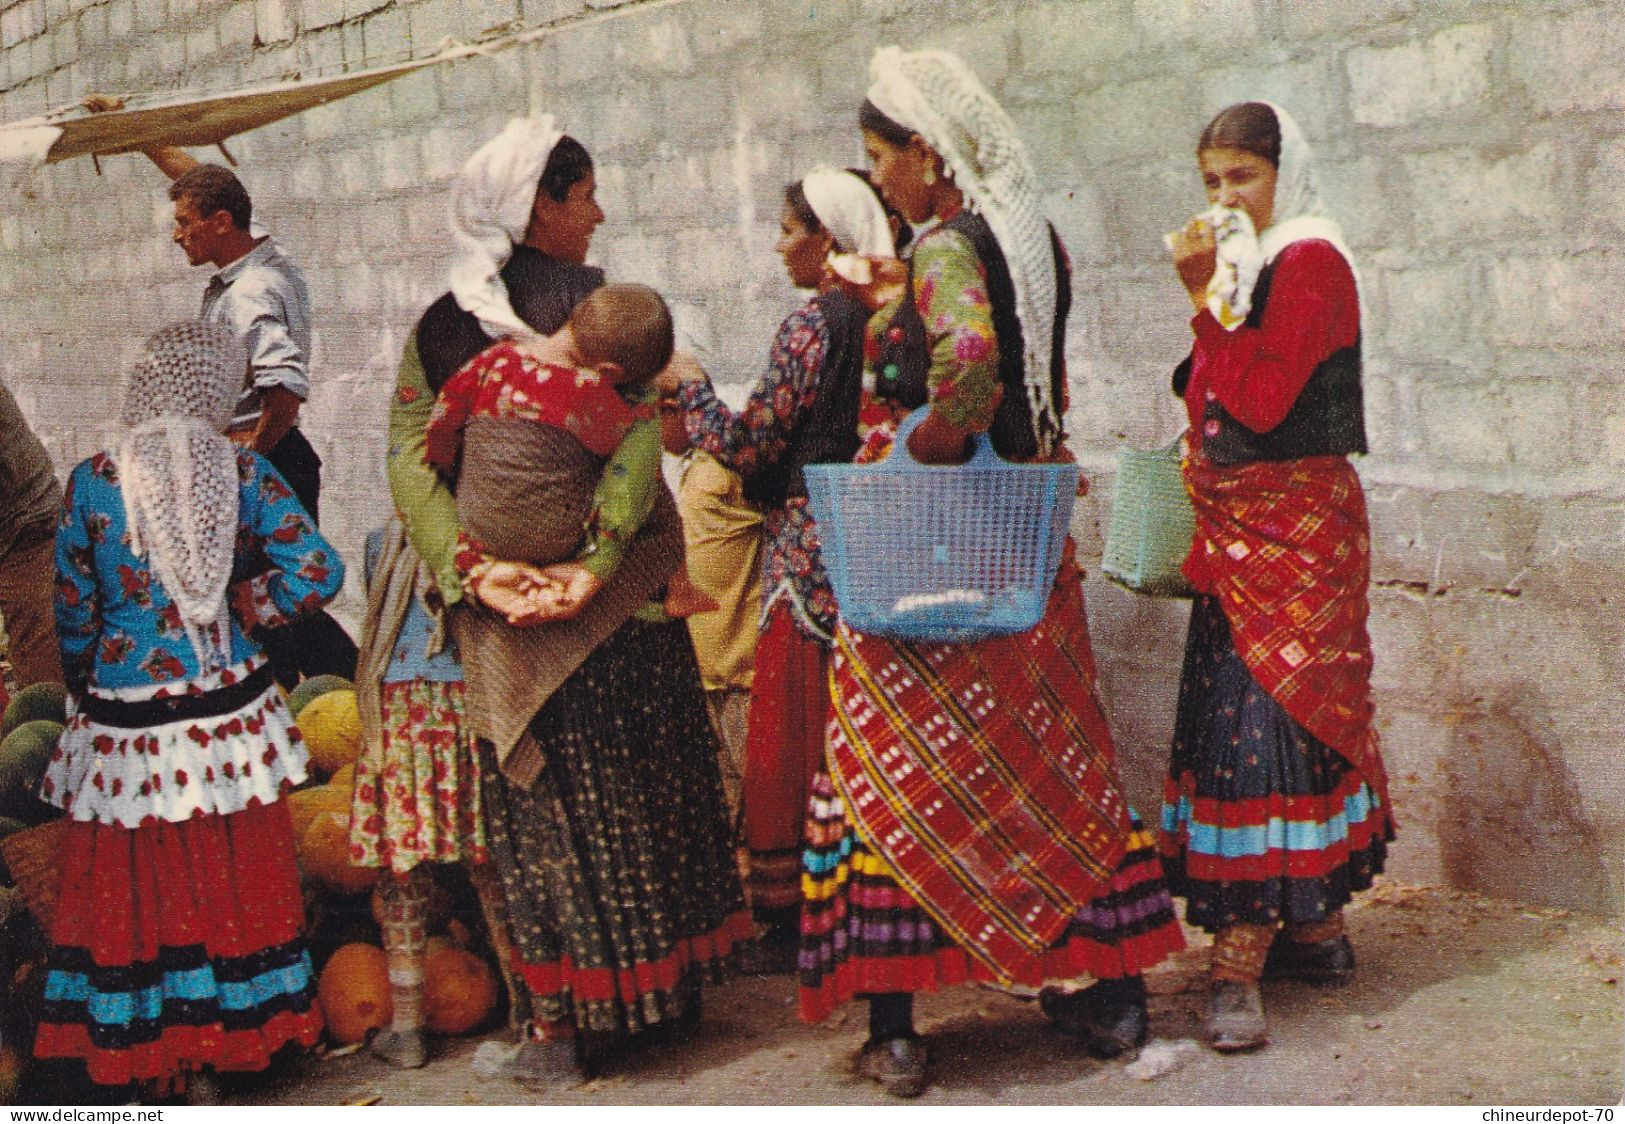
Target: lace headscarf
<point>178,473</point>
<point>849,209</point>
<point>491,202</point>
<point>1297,216</point>
<point>937,96</point>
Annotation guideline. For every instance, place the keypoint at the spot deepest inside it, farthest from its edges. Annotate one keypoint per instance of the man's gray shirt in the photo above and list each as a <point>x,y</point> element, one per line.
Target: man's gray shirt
<point>262,298</point>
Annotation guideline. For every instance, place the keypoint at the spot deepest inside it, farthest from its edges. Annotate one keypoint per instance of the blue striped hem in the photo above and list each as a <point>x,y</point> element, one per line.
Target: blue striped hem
<point>1275,835</point>
<point>120,1008</point>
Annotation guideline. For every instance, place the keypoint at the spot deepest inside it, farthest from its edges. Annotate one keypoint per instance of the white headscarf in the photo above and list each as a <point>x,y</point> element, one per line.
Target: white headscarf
<point>178,473</point>
<point>935,94</point>
<point>491,203</point>
<point>849,209</point>
<point>1297,216</point>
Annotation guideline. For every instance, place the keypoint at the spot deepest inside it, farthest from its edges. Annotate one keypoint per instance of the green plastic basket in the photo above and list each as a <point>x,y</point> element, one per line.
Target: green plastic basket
<point>1152,524</point>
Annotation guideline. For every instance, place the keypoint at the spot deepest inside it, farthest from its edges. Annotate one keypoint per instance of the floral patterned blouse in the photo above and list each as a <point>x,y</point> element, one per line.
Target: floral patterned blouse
<point>504,382</point>
<point>756,438</point>
<point>950,293</point>
<point>117,625</point>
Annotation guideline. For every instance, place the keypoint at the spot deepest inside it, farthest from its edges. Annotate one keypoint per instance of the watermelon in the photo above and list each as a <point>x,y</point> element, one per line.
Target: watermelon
<point>24,754</point>
<point>38,700</point>
<point>314,687</point>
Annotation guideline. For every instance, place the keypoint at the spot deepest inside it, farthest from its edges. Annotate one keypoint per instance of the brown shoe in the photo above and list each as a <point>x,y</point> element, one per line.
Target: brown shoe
<point>897,1063</point>
<point>1235,1017</point>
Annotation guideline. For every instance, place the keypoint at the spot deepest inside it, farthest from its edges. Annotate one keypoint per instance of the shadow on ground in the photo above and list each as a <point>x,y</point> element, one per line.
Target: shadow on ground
<point>1459,999</point>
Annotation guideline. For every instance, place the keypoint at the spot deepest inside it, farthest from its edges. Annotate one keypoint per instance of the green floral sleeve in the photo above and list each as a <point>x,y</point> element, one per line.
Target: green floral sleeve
<point>626,492</point>
<point>950,292</point>
<point>421,496</point>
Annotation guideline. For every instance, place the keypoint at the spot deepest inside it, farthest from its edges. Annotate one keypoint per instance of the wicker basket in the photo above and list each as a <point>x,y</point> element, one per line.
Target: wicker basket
<point>1152,524</point>
<point>942,554</point>
<point>31,857</point>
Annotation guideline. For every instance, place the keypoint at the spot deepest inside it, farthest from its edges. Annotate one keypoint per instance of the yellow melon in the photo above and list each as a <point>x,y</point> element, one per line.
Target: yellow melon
<point>459,990</point>
<point>354,992</point>
<point>324,854</point>
<point>344,781</point>
<point>331,724</point>
<point>306,804</point>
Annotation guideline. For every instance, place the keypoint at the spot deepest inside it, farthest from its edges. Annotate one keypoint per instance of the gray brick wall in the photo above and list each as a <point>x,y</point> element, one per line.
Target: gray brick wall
<point>1474,150</point>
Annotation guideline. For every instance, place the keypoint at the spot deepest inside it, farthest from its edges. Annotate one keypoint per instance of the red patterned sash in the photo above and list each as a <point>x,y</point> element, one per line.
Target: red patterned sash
<point>984,774</point>
<point>1287,548</point>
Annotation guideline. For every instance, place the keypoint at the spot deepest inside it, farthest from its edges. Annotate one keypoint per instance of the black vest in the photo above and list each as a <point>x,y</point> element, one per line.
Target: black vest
<point>828,433</point>
<point>1327,420</point>
<point>905,359</point>
<point>543,290</point>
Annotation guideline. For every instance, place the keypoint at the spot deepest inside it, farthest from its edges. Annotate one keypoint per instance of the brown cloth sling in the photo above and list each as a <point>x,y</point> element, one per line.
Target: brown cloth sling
<point>525,492</point>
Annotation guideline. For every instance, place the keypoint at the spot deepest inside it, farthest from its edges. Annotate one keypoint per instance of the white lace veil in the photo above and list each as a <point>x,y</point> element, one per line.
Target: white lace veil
<point>178,473</point>
<point>935,94</point>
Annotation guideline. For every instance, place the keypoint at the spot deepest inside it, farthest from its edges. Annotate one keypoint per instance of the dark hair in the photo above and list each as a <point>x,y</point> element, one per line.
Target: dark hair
<point>905,232</point>
<point>625,324</point>
<point>888,130</point>
<point>796,196</point>
<point>1250,126</point>
<point>211,188</point>
<point>567,165</point>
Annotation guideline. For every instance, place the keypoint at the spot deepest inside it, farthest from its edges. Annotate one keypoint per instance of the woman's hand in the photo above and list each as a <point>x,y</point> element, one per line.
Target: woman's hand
<point>886,278</point>
<point>939,441</point>
<point>511,589</point>
<point>682,368</point>
<point>568,587</point>
<point>1196,256</point>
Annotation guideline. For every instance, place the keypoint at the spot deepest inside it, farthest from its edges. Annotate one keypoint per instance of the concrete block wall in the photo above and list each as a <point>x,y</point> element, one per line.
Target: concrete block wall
<point>1474,150</point>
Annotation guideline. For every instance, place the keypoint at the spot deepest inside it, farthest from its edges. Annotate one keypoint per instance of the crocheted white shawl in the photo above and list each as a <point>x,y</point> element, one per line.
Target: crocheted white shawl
<point>178,474</point>
<point>935,94</point>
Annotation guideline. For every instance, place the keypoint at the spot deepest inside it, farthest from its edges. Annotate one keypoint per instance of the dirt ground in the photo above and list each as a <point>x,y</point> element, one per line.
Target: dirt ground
<point>1460,999</point>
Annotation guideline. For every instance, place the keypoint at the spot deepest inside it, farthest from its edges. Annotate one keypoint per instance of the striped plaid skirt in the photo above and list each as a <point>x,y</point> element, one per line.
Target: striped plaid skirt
<point>862,934</point>
<point>1261,821</point>
<point>970,824</point>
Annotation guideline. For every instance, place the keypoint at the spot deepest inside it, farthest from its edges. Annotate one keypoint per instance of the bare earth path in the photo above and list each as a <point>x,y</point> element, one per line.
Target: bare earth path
<point>1460,1000</point>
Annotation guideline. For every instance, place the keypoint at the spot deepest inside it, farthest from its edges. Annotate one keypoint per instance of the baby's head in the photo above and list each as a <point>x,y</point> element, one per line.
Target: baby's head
<point>623,332</point>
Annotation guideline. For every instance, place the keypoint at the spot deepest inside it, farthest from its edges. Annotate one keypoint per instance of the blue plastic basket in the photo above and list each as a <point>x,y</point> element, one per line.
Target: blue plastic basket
<point>942,554</point>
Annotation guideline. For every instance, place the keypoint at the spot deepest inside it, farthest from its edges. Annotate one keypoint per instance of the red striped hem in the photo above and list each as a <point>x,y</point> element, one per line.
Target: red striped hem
<point>625,984</point>
<point>179,1048</point>
<point>947,967</point>
<point>1276,862</point>
<point>1260,810</point>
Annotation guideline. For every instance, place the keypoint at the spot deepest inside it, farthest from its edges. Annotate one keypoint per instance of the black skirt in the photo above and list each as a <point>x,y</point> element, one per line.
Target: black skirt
<point>618,864</point>
<point>1261,821</point>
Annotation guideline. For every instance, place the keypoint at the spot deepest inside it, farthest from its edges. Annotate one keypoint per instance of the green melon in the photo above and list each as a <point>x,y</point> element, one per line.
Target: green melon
<point>38,700</point>
<point>314,687</point>
<point>24,754</point>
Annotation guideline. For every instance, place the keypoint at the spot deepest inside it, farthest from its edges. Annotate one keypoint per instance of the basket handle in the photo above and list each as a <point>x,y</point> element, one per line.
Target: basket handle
<point>982,454</point>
